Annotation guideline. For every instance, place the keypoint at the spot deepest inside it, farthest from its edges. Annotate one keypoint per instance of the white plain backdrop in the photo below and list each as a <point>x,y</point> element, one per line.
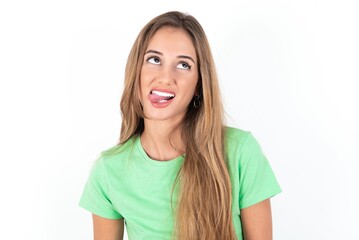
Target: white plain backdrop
<point>288,72</point>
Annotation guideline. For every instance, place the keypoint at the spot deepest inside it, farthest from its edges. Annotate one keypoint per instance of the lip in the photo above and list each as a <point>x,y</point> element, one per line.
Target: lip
<point>163,90</point>
<point>161,104</point>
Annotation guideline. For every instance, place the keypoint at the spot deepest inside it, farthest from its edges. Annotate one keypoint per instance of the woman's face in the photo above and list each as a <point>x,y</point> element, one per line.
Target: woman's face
<point>169,75</point>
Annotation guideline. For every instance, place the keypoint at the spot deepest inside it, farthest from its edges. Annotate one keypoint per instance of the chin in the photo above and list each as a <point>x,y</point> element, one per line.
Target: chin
<point>164,117</point>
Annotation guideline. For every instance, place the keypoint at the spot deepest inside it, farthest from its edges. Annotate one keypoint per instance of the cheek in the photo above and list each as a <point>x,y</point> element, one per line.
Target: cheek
<point>190,86</point>
<point>142,86</point>
<point>142,80</point>
<point>145,76</point>
<point>193,83</point>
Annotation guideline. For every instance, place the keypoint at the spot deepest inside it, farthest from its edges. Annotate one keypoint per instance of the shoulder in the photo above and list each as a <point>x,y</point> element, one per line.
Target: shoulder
<point>119,148</point>
<point>232,133</point>
<point>235,138</point>
<point>116,154</point>
<point>242,145</point>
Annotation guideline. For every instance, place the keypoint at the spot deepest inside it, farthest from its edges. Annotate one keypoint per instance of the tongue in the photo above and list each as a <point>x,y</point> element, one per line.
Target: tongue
<point>156,98</point>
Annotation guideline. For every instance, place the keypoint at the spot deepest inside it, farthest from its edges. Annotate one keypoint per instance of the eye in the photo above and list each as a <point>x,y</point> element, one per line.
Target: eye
<point>154,60</point>
<point>184,65</point>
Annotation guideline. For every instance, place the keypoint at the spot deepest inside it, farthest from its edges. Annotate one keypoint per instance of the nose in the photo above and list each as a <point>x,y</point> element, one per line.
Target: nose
<point>166,76</point>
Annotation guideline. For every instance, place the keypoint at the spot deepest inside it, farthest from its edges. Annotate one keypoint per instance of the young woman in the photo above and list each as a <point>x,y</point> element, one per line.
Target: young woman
<point>177,171</point>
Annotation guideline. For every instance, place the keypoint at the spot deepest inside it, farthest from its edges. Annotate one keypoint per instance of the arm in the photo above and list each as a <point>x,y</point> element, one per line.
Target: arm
<point>257,221</point>
<point>107,229</point>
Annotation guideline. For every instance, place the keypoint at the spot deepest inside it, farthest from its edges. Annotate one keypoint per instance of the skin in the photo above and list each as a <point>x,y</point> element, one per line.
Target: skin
<point>107,229</point>
<point>257,221</point>
<point>170,64</point>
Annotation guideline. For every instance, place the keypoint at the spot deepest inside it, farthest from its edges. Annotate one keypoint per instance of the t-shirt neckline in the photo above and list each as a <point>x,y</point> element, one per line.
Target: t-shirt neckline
<point>171,162</point>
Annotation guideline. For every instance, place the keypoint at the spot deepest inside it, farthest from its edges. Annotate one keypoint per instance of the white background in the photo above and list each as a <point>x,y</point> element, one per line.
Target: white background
<point>288,72</point>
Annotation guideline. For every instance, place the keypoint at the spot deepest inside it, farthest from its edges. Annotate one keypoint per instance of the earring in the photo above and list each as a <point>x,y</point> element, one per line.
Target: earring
<point>196,101</point>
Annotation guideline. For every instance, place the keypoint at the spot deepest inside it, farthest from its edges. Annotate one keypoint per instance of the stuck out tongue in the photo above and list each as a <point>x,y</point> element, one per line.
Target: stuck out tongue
<point>156,98</point>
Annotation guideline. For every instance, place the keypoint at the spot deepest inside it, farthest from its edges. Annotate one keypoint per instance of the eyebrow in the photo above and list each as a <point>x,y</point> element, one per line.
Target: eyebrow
<point>179,56</point>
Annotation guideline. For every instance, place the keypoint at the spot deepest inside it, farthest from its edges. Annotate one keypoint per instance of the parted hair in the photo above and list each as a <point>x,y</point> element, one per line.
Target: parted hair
<point>204,202</point>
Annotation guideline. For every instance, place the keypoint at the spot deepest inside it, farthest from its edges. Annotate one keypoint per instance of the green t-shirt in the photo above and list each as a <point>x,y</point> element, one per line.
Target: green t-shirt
<point>132,186</point>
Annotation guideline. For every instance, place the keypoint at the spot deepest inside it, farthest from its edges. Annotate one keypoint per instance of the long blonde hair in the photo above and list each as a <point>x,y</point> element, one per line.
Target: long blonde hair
<point>204,201</point>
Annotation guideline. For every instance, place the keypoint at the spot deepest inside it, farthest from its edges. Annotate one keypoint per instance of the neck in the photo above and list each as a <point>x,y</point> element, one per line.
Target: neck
<point>160,141</point>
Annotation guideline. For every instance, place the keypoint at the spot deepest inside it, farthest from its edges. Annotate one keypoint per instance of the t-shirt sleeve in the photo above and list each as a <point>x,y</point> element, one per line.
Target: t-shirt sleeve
<point>257,180</point>
<point>96,197</point>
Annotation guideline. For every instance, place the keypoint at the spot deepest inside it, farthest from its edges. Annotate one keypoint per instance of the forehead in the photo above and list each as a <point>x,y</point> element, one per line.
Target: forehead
<point>172,40</point>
